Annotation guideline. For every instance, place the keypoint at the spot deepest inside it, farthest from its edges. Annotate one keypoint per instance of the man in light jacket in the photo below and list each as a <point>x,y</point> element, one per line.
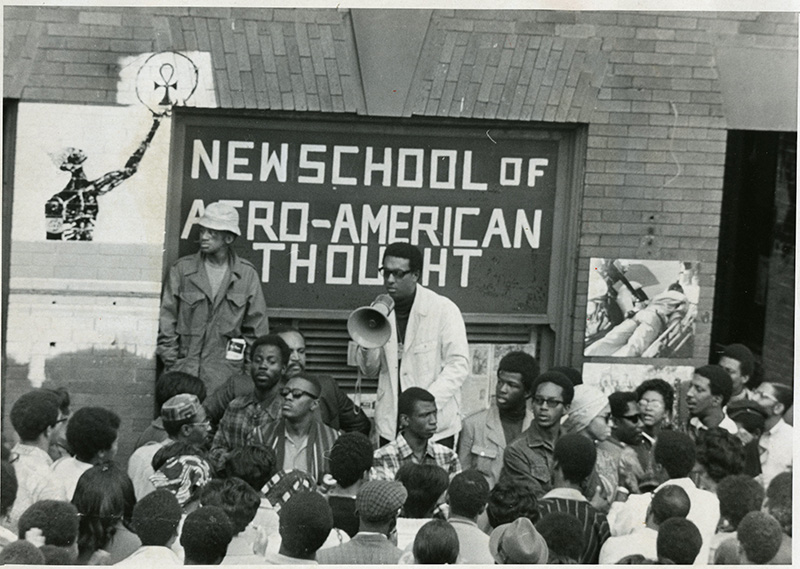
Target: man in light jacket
<point>427,347</point>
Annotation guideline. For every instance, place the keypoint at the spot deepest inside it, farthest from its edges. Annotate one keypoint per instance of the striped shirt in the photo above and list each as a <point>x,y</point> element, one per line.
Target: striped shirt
<point>595,526</point>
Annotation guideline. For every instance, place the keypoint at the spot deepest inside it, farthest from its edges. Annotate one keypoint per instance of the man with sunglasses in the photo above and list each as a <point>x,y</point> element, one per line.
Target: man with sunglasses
<point>427,347</point>
<point>300,439</point>
<point>529,459</point>
<point>626,435</point>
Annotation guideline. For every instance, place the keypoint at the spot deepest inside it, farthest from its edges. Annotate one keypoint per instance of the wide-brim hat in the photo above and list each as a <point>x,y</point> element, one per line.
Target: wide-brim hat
<point>517,543</point>
<point>222,217</point>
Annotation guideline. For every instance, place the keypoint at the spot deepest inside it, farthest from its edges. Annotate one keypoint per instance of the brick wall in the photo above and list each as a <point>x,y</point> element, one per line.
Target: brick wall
<point>645,84</point>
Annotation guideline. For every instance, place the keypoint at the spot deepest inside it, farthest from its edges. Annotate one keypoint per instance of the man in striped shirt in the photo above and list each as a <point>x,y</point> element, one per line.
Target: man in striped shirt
<point>574,459</point>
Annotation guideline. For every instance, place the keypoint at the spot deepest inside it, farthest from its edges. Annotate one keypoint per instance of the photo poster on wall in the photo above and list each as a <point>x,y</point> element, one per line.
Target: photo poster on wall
<point>611,377</point>
<point>641,308</point>
<point>477,392</point>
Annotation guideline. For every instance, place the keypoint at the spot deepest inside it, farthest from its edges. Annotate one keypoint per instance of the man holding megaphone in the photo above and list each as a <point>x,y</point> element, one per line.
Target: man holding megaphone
<point>424,345</point>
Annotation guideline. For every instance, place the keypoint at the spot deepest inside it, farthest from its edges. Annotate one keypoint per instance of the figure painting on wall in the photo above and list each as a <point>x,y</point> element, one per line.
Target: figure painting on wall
<point>72,212</point>
<point>641,308</point>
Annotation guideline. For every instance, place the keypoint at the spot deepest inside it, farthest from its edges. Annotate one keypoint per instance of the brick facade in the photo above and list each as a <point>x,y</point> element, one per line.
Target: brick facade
<point>645,85</point>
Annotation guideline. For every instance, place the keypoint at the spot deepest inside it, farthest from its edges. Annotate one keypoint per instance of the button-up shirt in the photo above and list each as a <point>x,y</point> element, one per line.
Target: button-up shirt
<point>34,478</point>
<point>530,458</point>
<point>775,447</point>
<point>389,458</point>
<point>240,424</point>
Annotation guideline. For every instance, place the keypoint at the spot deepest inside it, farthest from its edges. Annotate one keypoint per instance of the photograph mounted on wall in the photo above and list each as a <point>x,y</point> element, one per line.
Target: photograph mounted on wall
<point>641,308</point>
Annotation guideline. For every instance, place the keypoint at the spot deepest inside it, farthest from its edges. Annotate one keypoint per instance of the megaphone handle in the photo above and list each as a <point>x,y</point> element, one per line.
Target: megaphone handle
<point>357,395</point>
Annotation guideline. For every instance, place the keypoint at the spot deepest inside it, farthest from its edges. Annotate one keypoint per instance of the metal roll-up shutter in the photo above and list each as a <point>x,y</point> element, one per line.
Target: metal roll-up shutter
<point>327,340</point>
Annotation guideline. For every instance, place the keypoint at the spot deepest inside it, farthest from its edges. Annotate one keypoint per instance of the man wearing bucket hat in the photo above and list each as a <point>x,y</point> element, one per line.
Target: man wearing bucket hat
<point>212,306</point>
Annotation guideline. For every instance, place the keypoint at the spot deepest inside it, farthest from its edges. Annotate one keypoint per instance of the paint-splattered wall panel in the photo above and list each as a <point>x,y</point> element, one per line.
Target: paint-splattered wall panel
<point>86,256</point>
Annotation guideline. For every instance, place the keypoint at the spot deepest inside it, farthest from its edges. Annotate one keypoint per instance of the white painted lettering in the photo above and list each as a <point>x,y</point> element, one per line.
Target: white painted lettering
<point>468,184</point>
<point>395,225</point>
<point>264,223</point>
<point>211,163</point>
<point>305,163</point>
<point>496,226</point>
<point>429,267</point>
<point>266,256</point>
<point>336,177</point>
<point>523,227</point>
<point>466,254</point>
<point>419,158</point>
<point>345,221</point>
<point>440,155</point>
<point>374,223</point>
<point>334,252</point>
<point>302,225</point>
<point>458,241</point>
<point>234,161</point>
<point>534,171</point>
<point>385,167</point>
<point>273,162</point>
<point>516,171</point>
<point>295,262</point>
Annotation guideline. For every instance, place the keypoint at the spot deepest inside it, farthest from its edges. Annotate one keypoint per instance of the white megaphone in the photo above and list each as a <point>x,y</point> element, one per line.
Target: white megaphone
<point>369,325</point>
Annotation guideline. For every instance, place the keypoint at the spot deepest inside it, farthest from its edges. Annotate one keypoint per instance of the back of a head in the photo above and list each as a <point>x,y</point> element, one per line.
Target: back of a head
<point>436,543</point>
<point>571,373</point>
<point>675,452</point>
<point>468,493</point>
<point>156,517</point>
<point>255,464</point>
<point>33,412</point>
<point>205,536</point>
<point>738,495</point>
<point>91,430</point>
<point>522,363</point>
<point>575,455</point>
<point>235,497</point>
<point>671,501</point>
<point>678,541</point>
<point>172,383</point>
<point>779,500</point>
<point>21,552</point>
<point>409,398</point>
<point>54,555</point>
<point>104,497</point>
<point>760,535</point>
<point>8,487</point>
<point>305,522</point>
<point>720,453</point>
<point>510,499</point>
<point>564,536</point>
<point>57,520</point>
<point>350,458</point>
<point>425,484</point>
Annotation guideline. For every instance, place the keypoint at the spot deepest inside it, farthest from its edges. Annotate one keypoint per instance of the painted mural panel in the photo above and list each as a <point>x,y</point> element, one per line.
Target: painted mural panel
<point>641,308</point>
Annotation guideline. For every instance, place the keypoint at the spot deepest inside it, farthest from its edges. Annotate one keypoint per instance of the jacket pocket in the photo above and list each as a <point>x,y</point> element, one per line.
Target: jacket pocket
<point>192,313</point>
<point>484,458</point>
<point>231,314</point>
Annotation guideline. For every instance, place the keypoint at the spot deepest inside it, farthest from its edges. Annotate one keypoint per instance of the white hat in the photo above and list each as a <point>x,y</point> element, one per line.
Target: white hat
<point>221,217</point>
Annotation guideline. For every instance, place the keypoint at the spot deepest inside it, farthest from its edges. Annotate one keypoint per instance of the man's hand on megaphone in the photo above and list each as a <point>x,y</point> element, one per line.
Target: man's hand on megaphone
<point>383,303</point>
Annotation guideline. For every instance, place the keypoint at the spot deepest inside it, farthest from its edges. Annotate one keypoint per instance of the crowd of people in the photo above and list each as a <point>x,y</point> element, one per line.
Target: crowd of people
<point>554,471</point>
<point>254,460</point>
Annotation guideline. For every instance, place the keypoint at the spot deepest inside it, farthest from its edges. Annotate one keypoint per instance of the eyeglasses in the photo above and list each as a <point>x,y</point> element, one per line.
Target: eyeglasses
<point>651,403</point>
<point>396,273</point>
<point>295,393</point>
<point>205,423</point>
<point>550,403</point>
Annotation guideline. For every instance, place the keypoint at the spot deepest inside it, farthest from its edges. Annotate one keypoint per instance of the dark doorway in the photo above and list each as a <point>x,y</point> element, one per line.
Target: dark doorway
<point>755,268</point>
